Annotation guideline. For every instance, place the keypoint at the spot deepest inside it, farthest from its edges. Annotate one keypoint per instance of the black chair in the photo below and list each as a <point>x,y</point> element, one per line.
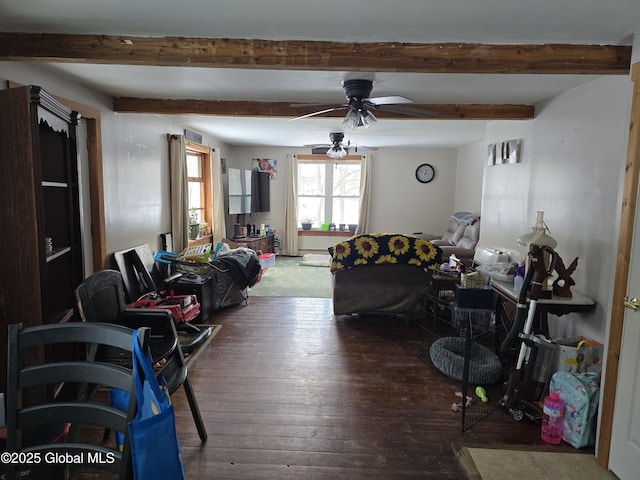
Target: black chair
<point>34,406</point>
<point>100,298</point>
<point>143,276</point>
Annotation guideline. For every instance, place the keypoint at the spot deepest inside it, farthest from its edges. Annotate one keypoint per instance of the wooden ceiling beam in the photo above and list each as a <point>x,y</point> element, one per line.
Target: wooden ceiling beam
<point>317,55</point>
<point>283,109</point>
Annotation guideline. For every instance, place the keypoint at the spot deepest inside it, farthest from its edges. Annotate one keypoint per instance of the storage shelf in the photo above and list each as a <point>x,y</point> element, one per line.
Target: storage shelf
<point>57,252</point>
<point>55,184</point>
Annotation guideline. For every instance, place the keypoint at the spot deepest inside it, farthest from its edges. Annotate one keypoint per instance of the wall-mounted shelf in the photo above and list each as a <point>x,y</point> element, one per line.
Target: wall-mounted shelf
<point>57,252</point>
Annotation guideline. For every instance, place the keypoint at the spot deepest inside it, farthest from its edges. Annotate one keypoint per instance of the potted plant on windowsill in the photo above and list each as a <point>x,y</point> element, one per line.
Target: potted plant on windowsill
<point>194,225</point>
<point>307,223</point>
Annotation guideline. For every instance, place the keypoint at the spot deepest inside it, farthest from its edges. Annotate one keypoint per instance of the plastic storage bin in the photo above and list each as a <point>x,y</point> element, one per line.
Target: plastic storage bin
<point>267,260</point>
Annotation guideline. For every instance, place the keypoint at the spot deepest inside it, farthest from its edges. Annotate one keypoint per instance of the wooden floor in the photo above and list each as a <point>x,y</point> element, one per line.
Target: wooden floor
<point>288,391</point>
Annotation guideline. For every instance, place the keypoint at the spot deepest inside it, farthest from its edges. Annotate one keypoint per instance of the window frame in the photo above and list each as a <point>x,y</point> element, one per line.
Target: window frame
<point>328,196</point>
<point>206,191</point>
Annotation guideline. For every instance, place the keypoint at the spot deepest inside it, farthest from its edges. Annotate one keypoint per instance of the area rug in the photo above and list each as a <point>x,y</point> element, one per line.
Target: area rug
<point>490,464</point>
<point>289,279</point>
<point>184,338</point>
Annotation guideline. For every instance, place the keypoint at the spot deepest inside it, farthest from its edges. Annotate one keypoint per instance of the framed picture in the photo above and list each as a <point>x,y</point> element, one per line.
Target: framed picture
<point>266,165</point>
<point>491,154</point>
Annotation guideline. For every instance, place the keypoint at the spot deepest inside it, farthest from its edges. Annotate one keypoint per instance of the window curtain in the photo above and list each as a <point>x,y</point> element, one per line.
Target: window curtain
<point>219,225</point>
<point>290,237</point>
<point>178,192</point>
<point>365,188</point>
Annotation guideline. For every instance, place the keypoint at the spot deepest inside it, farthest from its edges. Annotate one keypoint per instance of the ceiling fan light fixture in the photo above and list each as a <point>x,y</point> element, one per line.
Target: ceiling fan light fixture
<point>367,119</point>
<point>336,151</point>
<point>351,119</point>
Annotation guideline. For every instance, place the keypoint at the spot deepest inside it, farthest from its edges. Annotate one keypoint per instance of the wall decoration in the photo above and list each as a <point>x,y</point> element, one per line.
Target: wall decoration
<point>193,136</point>
<point>266,165</point>
<point>491,154</point>
<point>503,152</point>
<point>512,152</point>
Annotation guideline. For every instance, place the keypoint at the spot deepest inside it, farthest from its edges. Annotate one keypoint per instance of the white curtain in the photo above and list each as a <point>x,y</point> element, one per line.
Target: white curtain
<point>365,187</point>
<point>219,225</point>
<point>290,230</point>
<point>178,190</point>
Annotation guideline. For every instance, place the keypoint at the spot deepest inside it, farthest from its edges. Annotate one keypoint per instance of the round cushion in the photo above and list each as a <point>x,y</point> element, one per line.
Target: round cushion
<point>447,355</point>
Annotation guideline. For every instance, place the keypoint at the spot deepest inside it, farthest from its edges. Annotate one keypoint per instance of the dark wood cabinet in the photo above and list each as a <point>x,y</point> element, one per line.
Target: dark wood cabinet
<point>39,200</point>
<point>259,244</point>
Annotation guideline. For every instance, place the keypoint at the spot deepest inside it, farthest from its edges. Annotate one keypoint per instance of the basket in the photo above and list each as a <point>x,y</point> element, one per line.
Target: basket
<point>472,280</point>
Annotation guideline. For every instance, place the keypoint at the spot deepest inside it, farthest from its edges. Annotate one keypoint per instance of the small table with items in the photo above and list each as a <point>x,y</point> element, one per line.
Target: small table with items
<point>507,299</point>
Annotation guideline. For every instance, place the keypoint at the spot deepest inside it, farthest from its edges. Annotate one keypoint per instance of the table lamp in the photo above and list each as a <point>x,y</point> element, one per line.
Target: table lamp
<point>538,236</point>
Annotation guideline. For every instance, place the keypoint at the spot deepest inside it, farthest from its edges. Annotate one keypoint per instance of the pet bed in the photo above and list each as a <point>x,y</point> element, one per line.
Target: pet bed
<point>447,355</point>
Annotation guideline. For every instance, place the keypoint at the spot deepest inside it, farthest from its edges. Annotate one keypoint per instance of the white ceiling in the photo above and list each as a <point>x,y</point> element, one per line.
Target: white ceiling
<point>423,21</point>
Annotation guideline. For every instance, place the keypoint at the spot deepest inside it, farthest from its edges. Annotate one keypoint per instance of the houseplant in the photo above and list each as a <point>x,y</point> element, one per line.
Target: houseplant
<point>194,224</point>
<point>307,222</point>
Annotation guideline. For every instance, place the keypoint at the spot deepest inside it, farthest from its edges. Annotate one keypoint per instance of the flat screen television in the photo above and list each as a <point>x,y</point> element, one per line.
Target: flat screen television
<point>239,191</point>
<point>260,193</point>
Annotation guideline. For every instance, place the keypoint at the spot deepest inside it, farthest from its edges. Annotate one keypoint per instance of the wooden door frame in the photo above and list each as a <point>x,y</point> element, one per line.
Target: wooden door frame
<point>96,190</point>
<point>623,259</point>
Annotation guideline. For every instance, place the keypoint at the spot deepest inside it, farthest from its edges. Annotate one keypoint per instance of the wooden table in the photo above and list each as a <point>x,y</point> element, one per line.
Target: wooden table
<point>555,305</point>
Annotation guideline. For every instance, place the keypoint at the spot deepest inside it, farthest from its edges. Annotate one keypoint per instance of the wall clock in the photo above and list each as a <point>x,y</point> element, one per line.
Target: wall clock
<point>425,173</point>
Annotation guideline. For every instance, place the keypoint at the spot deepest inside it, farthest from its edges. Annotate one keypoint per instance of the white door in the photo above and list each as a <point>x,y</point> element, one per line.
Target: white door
<point>624,458</point>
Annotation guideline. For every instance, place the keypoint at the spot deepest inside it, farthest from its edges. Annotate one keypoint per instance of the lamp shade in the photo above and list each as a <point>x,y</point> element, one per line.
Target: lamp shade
<point>538,235</point>
<point>336,151</point>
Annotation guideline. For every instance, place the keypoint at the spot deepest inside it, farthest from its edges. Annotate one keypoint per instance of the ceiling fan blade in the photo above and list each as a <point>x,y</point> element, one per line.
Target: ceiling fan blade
<point>357,148</point>
<point>389,100</point>
<point>316,104</point>
<point>327,110</point>
<point>414,112</point>
<point>317,145</point>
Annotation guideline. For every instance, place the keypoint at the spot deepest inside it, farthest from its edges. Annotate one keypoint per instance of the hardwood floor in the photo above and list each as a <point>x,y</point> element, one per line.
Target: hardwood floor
<point>288,391</point>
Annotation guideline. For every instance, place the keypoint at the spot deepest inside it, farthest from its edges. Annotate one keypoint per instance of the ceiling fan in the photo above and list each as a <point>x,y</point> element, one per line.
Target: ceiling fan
<point>336,149</point>
<point>359,105</point>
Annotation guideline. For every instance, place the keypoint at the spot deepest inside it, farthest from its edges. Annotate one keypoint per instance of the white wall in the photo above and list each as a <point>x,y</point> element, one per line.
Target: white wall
<point>399,202</point>
<point>469,173</point>
<point>572,169</point>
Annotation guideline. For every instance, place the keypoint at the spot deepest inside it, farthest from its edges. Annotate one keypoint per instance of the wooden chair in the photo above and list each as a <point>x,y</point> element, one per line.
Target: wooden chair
<point>33,406</point>
<point>101,298</point>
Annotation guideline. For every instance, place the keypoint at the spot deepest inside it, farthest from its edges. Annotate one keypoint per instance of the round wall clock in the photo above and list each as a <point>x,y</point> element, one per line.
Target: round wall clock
<point>425,173</point>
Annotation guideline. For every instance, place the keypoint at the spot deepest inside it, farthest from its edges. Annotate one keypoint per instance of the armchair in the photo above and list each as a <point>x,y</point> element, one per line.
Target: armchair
<point>460,239</point>
<point>451,236</point>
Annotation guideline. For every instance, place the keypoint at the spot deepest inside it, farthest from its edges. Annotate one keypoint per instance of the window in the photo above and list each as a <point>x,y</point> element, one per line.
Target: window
<point>199,199</point>
<point>329,191</point>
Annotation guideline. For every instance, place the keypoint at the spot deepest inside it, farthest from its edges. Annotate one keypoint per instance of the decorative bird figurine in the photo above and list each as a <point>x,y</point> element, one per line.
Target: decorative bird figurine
<point>564,282</point>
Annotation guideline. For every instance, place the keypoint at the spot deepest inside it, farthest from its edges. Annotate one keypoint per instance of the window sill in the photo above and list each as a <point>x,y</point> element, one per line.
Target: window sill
<point>201,240</point>
<point>316,232</point>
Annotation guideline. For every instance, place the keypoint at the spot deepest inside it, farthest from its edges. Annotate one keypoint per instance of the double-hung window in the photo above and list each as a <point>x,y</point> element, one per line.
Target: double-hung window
<point>329,191</point>
<point>199,199</point>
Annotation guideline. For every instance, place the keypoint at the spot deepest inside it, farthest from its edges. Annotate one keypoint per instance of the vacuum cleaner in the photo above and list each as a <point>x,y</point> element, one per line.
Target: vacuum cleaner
<point>522,391</point>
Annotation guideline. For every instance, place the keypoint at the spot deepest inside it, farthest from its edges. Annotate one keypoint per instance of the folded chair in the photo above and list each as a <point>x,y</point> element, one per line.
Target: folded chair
<point>33,378</point>
<point>146,286</point>
<point>100,298</point>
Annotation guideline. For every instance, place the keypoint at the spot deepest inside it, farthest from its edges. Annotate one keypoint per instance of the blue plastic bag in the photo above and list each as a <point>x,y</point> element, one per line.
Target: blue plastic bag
<point>155,451</point>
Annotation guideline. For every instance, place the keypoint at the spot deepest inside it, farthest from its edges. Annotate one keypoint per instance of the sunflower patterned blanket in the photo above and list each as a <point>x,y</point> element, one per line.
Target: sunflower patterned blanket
<point>384,248</point>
